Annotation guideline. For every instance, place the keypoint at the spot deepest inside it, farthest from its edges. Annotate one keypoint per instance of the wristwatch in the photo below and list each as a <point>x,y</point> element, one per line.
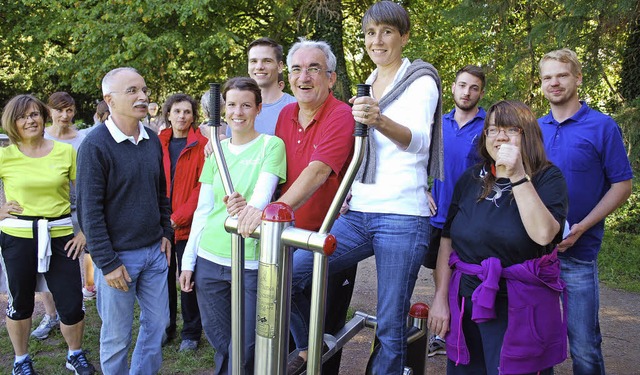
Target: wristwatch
<point>524,179</point>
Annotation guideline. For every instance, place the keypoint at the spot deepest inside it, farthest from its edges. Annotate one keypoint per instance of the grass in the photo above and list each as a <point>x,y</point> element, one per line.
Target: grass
<point>48,355</point>
<point>619,261</point>
<point>619,258</point>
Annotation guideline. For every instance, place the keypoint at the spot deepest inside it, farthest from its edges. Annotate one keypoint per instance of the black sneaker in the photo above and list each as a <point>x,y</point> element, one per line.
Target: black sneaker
<point>80,365</point>
<point>296,366</point>
<point>436,346</point>
<point>24,368</point>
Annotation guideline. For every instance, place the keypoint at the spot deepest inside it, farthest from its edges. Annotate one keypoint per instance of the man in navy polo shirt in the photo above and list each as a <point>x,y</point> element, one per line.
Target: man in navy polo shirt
<point>587,146</point>
<point>461,130</point>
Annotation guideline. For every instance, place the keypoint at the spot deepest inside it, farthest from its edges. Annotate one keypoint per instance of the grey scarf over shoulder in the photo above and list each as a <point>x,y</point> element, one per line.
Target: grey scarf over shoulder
<point>418,68</point>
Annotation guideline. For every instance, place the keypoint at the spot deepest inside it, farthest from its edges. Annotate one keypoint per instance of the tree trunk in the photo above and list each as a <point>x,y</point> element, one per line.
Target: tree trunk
<point>630,75</point>
<point>329,28</point>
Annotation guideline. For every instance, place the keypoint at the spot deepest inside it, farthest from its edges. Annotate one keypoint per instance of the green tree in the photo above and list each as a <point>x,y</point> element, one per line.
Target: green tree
<point>181,46</point>
<point>630,75</point>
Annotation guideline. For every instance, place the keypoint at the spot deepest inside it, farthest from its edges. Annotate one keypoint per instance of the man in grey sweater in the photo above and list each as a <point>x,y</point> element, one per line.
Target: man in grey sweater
<point>124,213</point>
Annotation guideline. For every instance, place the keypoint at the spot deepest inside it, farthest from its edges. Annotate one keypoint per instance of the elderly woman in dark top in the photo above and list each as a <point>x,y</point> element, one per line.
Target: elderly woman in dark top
<point>506,216</point>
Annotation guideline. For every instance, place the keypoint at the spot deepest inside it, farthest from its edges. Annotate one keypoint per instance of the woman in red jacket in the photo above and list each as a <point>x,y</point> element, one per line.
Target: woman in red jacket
<point>183,154</point>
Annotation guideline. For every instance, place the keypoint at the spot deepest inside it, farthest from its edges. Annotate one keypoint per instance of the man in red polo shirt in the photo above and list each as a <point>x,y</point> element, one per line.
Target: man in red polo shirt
<point>318,135</point>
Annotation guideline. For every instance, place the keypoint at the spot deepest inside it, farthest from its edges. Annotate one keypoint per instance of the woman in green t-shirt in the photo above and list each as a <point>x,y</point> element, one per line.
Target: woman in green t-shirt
<point>256,164</point>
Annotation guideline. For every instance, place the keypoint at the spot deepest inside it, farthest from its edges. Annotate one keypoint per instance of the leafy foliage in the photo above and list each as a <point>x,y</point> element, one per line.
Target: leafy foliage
<point>628,117</point>
<point>626,218</point>
<point>630,75</point>
<point>181,46</point>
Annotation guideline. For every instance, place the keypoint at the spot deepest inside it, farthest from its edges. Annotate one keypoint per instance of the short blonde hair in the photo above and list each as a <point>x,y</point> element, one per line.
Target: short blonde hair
<point>566,56</point>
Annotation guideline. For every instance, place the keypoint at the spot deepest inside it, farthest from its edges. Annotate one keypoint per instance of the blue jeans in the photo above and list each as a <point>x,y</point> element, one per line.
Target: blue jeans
<point>583,300</point>
<point>213,287</point>
<point>399,243</point>
<point>147,268</point>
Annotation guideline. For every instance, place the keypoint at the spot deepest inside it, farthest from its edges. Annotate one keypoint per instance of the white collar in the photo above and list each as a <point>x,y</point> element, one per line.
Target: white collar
<point>120,137</point>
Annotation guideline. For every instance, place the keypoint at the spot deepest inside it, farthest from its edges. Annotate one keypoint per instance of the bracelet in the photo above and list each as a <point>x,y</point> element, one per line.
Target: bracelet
<point>524,179</point>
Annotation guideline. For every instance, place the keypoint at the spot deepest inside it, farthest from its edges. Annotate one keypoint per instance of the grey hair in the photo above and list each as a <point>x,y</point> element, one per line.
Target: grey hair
<point>108,78</point>
<point>319,44</point>
<point>204,103</point>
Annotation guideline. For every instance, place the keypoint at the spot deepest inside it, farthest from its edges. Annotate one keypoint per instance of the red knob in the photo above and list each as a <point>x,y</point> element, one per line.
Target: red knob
<point>330,244</point>
<point>419,310</point>
<point>278,212</point>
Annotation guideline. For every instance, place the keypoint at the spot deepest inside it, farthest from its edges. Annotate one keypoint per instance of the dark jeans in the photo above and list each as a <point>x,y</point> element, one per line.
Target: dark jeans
<point>213,283</point>
<point>399,243</point>
<point>173,294</point>
<point>192,325</point>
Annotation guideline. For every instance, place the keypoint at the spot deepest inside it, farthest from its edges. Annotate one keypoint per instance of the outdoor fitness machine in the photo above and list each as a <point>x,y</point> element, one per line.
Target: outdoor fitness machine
<point>278,238</point>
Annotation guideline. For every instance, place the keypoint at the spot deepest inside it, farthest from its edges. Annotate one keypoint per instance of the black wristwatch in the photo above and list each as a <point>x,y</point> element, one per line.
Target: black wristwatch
<point>524,179</point>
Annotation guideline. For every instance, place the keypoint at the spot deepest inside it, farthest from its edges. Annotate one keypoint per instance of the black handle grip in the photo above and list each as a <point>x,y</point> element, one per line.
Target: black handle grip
<point>361,130</point>
<point>214,104</point>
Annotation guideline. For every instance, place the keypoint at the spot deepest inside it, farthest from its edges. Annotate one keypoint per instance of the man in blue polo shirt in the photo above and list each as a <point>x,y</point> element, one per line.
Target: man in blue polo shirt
<point>461,130</point>
<point>587,146</point>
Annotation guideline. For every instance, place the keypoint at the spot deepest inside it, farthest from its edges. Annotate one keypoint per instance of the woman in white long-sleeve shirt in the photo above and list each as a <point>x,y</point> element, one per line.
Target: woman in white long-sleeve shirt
<point>256,164</point>
<point>388,215</point>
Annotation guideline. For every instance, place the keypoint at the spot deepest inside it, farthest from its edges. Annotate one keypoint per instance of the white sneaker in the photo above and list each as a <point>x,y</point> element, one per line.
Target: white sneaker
<point>89,293</point>
<point>45,327</point>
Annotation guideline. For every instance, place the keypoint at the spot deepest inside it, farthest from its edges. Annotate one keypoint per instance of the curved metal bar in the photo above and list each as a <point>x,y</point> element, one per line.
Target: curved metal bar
<point>237,242</point>
<point>320,262</point>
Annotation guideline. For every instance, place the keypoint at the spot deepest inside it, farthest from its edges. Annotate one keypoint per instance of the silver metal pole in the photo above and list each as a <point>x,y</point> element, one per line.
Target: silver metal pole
<point>320,272</point>
<point>237,242</point>
<point>274,291</point>
<point>278,238</point>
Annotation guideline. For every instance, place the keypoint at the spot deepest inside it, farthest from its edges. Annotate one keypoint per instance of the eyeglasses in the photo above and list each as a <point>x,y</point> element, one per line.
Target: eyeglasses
<point>133,91</point>
<point>511,131</point>
<point>33,115</point>
<point>312,71</point>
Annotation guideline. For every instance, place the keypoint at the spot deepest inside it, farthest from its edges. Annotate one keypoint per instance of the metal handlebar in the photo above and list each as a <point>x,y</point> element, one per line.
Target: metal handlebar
<point>237,242</point>
<point>320,263</point>
<point>295,237</point>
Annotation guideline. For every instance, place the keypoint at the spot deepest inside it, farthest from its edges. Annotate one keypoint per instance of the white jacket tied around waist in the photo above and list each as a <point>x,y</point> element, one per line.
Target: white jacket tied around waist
<point>43,236</point>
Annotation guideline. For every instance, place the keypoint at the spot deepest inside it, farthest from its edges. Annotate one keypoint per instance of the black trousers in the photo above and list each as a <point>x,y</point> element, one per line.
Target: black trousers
<point>20,262</point>
<point>192,325</point>
<point>339,292</point>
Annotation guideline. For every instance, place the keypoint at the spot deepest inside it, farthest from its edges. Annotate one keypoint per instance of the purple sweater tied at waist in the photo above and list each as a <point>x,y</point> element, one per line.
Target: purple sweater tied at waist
<point>536,335</point>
